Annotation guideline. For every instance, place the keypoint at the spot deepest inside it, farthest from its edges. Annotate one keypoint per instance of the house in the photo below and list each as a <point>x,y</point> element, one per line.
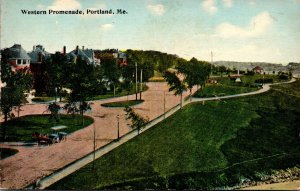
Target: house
<point>37,55</point>
<point>113,53</point>
<point>17,58</point>
<point>258,70</point>
<point>86,54</point>
<point>122,58</point>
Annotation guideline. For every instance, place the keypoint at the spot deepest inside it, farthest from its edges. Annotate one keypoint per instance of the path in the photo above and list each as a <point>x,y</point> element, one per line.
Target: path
<point>293,185</point>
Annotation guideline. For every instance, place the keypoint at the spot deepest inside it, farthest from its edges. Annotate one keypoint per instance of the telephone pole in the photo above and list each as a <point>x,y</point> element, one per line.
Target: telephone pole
<point>136,87</point>
<point>211,63</point>
<point>141,84</point>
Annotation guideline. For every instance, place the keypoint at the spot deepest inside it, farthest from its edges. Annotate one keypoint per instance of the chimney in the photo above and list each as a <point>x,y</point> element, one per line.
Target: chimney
<point>77,50</point>
<point>39,57</point>
<point>64,50</point>
<point>82,47</point>
<point>33,48</point>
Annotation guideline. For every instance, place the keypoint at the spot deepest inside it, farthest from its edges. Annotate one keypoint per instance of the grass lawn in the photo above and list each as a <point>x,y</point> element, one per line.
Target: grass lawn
<point>42,99</point>
<point>21,129</point>
<point>227,87</point>
<point>6,152</point>
<point>212,90</point>
<point>118,94</point>
<point>204,146</point>
<point>122,103</point>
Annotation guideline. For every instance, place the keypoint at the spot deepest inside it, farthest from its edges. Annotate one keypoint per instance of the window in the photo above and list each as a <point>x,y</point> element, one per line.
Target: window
<point>19,62</point>
<point>24,62</point>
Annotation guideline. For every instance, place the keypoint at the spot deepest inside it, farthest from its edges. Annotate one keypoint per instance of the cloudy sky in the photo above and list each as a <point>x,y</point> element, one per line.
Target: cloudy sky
<point>235,30</point>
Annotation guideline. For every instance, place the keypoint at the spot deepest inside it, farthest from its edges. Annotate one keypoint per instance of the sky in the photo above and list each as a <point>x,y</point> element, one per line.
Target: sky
<point>234,30</point>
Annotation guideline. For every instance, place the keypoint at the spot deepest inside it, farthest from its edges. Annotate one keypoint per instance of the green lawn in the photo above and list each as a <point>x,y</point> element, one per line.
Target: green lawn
<point>212,90</point>
<point>6,152</point>
<point>122,103</point>
<point>227,87</point>
<point>118,94</point>
<point>21,129</point>
<point>204,146</point>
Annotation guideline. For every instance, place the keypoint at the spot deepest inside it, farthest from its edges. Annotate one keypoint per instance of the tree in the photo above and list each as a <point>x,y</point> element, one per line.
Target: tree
<point>127,85</point>
<point>56,71</point>
<point>81,81</point>
<point>13,94</point>
<point>53,108</point>
<point>137,121</point>
<point>111,72</point>
<point>222,69</point>
<point>176,84</point>
<point>195,72</point>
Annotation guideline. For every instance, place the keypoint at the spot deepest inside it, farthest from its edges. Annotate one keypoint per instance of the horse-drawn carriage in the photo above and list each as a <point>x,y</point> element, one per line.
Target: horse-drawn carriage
<point>55,137</point>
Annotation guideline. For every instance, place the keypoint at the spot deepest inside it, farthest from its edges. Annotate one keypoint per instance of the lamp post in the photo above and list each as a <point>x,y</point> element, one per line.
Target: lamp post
<point>118,118</point>
<point>55,93</point>
<point>141,84</point>
<point>136,87</point>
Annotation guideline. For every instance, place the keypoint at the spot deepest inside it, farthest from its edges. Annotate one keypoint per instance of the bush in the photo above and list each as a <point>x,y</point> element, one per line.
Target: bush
<point>266,80</point>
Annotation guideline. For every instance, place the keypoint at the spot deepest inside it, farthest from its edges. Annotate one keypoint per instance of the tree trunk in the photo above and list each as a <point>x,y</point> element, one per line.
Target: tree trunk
<point>60,91</point>
<point>114,90</point>
<point>19,108</point>
<point>190,94</point>
<point>4,126</point>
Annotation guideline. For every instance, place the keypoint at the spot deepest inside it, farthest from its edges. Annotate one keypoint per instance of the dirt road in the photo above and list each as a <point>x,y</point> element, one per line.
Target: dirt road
<point>32,163</point>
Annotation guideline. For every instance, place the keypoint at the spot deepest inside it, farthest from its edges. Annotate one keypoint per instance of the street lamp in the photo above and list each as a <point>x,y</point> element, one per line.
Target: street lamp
<point>118,118</point>
<point>136,87</point>
<point>55,93</point>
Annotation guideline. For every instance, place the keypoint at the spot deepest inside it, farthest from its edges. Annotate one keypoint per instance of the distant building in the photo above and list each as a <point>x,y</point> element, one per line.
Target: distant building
<point>122,59</point>
<point>17,58</point>
<point>113,53</point>
<point>258,70</point>
<point>37,55</point>
<point>86,54</point>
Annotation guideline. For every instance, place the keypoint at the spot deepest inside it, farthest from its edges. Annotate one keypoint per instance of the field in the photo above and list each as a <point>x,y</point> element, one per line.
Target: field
<point>204,146</point>
<point>21,129</point>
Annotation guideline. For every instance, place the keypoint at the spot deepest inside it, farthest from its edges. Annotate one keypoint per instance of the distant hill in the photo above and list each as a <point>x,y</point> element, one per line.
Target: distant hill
<point>268,67</point>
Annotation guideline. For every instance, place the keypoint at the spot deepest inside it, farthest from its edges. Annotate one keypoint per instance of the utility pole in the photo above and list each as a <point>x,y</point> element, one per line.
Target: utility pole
<point>118,118</point>
<point>94,147</point>
<point>136,81</point>
<point>164,104</point>
<point>211,63</point>
<point>141,84</point>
